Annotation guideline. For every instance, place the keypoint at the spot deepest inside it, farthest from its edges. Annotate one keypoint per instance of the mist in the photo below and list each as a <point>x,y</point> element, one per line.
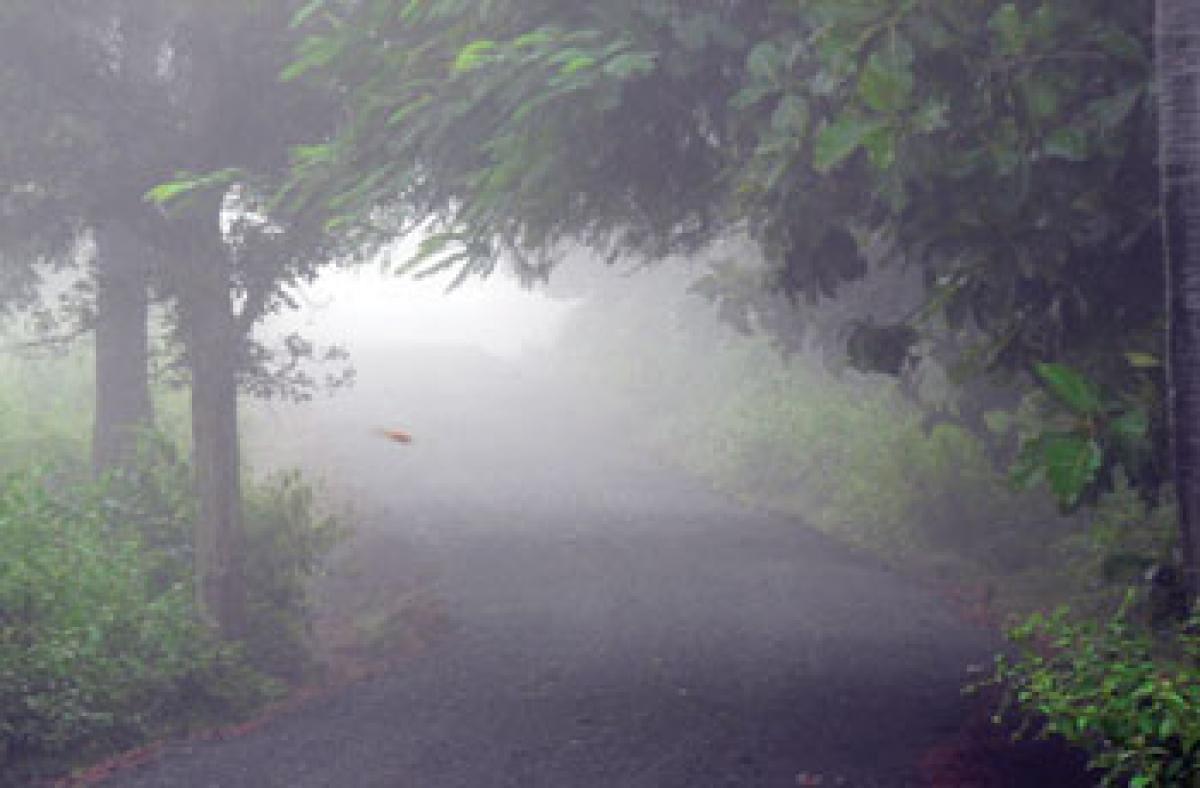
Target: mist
<point>670,394</point>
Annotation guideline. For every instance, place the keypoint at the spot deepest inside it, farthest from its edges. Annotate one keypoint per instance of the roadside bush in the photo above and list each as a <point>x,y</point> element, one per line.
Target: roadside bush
<point>93,654</point>
<point>1129,699</point>
<point>287,542</point>
<point>852,457</point>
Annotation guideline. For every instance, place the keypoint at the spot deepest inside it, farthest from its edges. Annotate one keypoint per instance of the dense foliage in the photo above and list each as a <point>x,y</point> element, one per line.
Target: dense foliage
<point>1110,688</point>
<point>95,650</point>
<point>1002,151</point>
<point>100,642</point>
<point>1004,148</point>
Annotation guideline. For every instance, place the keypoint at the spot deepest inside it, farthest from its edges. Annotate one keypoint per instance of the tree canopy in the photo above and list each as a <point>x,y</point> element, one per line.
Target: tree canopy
<point>1004,148</point>
<point>1001,152</point>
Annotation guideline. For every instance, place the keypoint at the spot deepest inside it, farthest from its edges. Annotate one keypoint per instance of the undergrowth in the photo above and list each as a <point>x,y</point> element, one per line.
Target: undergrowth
<point>96,652</point>
<point>101,645</point>
<point>1128,696</point>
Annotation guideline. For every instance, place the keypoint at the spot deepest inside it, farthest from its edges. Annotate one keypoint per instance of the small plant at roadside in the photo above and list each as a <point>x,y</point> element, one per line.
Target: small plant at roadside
<point>1127,697</point>
<point>287,542</point>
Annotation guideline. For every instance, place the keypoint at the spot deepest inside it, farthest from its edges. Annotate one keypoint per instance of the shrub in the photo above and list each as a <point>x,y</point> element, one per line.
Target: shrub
<point>1131,701</point>
<point>93,654</point>
<point>287,542</point>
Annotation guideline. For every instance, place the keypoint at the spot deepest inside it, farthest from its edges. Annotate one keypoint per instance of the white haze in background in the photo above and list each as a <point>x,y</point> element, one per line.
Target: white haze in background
<point>366,308</point>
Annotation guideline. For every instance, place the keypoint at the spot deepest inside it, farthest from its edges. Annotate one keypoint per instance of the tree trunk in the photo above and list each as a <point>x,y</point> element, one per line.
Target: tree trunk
<point>122,353</point>
<point>212,346</point>
<point>1178,63</point>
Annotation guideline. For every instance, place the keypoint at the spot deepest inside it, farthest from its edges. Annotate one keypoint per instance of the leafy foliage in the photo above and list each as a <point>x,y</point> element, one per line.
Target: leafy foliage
<point>1110,688</point>
<point>100,644</point>
<point>1005,148</point>
<point>93,654</point>
<point>287,543</point>
<point>1082,433</point>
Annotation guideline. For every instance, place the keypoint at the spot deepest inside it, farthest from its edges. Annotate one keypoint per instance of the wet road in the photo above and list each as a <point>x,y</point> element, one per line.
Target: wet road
<point>612,624</point>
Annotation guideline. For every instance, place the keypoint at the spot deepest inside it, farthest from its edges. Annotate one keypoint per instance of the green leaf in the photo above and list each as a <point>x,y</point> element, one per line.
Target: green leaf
<point>838,140</point>
<point>1072,461</point>
<point>765,60</point>
<point>790,116</point>
<point>1131,426</point>
<point>306,12</point>
<point>1041,97</point>
<point>1028,470</point>
<point>1071,388</point>
<point>473,55</point>
<point>187,184</point>
<point>932,116</point>
<point>998,421</point>
<point>311,154</point>
<point>408,109</point>
<point>1111,111</point>
<point>886,83</point>
<point>315,51</point>
<point>881,147</point>
<point>750,95</point>
<point>167,192</point>
<point>577,63</point>
<point>1143,360</point>
<point>532,39</point>
<point>630,64</point>
<point>1068,142</point>
<point>1118,43</point>
<point>1006,24</point>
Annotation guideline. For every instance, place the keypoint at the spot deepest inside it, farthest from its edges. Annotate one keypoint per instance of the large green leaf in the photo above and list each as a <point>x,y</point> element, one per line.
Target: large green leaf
<point>838,140</point>
<point>1071,388</point>
<point>1072,461</point>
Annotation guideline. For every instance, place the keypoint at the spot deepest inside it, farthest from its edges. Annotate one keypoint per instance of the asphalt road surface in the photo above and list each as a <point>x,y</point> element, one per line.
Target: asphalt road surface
<point>613,623</point>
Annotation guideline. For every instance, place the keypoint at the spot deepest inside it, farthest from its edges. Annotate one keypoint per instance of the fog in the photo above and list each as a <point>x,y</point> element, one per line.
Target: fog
<point>733,512</point>
<point>483,376</point>
<point>369,308</point>
<point>596,586</point>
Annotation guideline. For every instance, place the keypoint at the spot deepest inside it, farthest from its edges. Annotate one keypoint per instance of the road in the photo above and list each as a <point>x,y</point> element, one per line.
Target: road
<point>612,623</point>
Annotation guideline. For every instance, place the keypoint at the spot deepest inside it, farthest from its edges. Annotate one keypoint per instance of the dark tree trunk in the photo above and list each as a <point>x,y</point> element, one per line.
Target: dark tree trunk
<point>1178,56</point>
<point>212,347</point>
<point>122,383</point>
